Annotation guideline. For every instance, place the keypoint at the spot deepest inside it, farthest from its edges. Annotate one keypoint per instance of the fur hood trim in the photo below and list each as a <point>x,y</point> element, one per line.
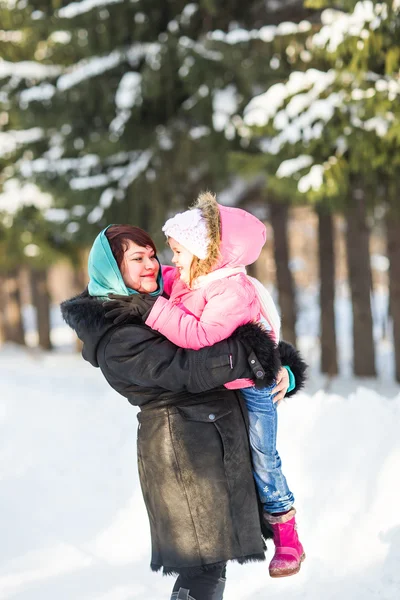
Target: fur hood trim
<point>207,204</point>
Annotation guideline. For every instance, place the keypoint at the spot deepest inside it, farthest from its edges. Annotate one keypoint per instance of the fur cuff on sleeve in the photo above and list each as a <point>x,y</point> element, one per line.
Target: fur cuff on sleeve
<point>291,357</point>
<point>262,352</point>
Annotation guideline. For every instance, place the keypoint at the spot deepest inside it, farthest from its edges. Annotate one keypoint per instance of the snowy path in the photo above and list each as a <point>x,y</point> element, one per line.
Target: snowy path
<point>73,525</point>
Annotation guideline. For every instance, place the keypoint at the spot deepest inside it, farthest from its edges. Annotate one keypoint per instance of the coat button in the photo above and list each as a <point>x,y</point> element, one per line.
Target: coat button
<point>259,374</point>
<point>211,417</point>
<point>252,361</point>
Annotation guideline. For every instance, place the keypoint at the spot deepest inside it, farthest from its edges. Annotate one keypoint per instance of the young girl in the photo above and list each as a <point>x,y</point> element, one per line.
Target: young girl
<point>210,297</point>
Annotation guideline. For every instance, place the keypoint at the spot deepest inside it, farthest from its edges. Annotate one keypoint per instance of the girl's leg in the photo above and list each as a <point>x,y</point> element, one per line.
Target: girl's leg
<point>208,585</point>
<point>271,483</point>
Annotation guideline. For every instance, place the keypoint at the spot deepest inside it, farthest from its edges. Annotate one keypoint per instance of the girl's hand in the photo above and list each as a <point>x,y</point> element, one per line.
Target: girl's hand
<point>282,385</point>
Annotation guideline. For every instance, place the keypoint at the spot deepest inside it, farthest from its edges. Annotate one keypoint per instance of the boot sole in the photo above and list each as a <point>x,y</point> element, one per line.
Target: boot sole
<point>287,573</point>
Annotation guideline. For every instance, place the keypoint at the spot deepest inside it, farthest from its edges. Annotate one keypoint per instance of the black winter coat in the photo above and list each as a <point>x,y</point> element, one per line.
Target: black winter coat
<point>193,450</point>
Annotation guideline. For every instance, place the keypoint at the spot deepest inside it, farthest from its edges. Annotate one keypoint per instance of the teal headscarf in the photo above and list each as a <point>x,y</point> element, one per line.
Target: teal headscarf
<point>104,275</point>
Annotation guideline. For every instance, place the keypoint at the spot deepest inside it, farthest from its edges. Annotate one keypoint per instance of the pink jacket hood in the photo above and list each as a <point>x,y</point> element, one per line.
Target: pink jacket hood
<point>242,237</point>
<point>235,237</point>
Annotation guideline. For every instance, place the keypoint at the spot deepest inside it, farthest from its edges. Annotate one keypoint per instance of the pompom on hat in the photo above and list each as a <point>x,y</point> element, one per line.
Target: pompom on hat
<point>189,229</point>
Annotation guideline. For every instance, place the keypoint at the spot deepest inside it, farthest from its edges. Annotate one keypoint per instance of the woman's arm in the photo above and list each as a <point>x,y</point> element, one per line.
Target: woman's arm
<point>142,357</point>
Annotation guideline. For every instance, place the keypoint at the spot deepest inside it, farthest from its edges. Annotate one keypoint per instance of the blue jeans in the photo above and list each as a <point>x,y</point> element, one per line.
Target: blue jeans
<point>271,483</point>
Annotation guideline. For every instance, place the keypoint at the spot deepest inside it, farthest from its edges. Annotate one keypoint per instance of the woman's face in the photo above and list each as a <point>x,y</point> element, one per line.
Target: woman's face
<point>139,268</point>
<point>182,259</point>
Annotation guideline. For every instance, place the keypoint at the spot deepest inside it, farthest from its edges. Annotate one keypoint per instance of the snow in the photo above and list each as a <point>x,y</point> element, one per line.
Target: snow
<point>266,33</point>
<point>135,168</point>
<point>56,215</point>
<point>61,166</point>
<point>265,106</point>
<point>88,68</point>
<point>124,175</point>
<point>188,44</point>
<point>11,140</point>
<point>289,167</point>
<point>39,93</point>
<point>89,182</point>
<point>15,196</point>
<point>128,94</point>
<point>129,90</point>
<point>27,70</point>
<point>309,125</point>
<point>338,25</point>
<point>61,37</point>
<point>377,124</point>
<point>187,13</point>
<point>106,198</point>
<point>198,132</point>
<point>313,180</point>
<point>225,104</point>
<point>97,65</point>
<point>78,8</point>
<point>95,215</point>
<point>73,520</point>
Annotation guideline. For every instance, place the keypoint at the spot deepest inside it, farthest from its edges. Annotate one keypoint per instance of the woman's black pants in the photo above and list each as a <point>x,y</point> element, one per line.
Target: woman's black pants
<point>208,585</point>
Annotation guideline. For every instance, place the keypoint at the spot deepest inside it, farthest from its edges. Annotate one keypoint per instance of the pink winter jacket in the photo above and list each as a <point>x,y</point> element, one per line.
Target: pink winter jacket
<point>194,318</point>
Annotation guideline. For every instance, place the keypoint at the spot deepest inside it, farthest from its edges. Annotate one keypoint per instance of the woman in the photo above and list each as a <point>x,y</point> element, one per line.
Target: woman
<point>193,451</point>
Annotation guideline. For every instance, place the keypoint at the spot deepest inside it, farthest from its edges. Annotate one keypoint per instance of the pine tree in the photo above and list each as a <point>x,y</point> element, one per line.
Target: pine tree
<point>27,240</point>
<point>327,133</point>
<point>130,101</point>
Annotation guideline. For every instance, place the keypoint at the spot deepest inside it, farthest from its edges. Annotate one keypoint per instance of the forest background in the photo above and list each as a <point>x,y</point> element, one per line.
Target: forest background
<point>116,111</point>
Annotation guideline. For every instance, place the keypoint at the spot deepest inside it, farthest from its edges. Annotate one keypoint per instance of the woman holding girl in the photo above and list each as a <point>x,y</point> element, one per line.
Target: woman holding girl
<point>210,297</point>
<point>193,451</point>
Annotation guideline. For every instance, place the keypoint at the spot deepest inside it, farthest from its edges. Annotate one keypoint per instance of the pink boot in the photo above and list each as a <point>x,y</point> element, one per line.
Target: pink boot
<point>289,553</point>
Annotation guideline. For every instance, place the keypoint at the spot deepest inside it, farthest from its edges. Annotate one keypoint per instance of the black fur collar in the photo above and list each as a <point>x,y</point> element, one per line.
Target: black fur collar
<point>83,311</point>
<point>86,315</point>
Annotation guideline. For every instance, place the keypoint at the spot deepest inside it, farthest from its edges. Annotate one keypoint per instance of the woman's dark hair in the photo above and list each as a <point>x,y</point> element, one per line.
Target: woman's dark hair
<point>119,236</point>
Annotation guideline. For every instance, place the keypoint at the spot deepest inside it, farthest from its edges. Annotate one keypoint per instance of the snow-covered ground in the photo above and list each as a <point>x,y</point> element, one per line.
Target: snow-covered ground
<point>72,521</point>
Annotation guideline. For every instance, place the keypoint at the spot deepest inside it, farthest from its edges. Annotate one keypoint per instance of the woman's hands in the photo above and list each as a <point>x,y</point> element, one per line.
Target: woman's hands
<point>282,385</point>
<point>123,308</point>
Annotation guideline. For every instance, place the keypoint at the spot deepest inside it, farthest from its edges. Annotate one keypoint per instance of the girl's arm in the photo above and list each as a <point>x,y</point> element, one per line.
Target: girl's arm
<point>227,307</point>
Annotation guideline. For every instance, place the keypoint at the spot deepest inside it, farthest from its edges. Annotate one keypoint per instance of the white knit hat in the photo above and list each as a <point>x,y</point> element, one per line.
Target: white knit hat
<point>190,230</point>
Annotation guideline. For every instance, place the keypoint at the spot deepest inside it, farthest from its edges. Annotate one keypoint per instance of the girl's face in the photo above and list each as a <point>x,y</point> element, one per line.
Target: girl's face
<point>139,268</point>
<point>182,259</point>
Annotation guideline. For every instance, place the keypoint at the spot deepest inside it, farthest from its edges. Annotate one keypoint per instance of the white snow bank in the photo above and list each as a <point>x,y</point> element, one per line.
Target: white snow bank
<point>73,520</point>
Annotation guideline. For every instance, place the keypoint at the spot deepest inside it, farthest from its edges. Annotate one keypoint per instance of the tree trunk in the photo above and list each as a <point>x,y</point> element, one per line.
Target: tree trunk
<point>80,283</point>
<point>41,302</point>
<point>329,363</point>
<point>360,279</point>
<point>393,250</point>
<point>3,336</point>
<point>252,270</point>
<point>14,328</point>
<point>286,297</point>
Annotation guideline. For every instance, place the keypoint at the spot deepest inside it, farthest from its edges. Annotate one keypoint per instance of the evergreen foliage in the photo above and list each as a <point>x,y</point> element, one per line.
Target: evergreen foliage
<point>125,111</point>
<point>338,120</point>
